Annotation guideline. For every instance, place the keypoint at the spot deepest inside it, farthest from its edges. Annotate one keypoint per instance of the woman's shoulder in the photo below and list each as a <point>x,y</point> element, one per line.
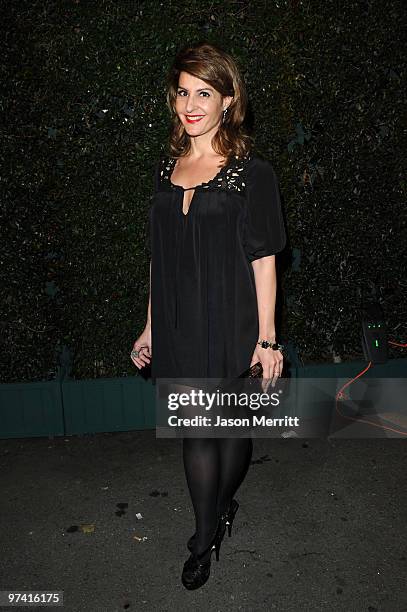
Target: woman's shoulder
<point>258,161</point>
<point>163,166</point>
<point>260,169</point>
<point>162,160</point>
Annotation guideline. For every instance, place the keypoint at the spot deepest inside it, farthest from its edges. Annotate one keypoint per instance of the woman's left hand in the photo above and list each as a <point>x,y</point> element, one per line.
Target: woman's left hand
<point>272,364</point>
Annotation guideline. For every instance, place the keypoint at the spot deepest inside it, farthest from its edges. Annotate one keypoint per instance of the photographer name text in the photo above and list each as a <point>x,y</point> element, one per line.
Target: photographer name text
<point>256,421</point>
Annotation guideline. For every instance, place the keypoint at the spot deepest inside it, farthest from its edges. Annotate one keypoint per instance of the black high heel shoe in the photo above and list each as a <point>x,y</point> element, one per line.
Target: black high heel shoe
<point>227,520</point>
<point>197,568</point>
<point>231,516</point>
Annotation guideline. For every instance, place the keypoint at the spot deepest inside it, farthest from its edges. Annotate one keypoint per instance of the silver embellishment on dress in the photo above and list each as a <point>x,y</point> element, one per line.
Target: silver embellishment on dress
<point>231,178</point>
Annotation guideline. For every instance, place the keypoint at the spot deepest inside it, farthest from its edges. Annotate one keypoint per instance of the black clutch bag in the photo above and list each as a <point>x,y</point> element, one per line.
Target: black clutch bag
<point>252,382</point>
<point>255,371</point>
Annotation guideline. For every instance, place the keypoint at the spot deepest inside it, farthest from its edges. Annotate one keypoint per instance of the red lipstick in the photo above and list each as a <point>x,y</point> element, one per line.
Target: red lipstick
<point>193,118</point>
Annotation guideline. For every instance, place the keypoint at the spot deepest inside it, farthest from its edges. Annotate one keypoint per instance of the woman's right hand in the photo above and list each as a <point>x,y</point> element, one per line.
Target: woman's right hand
<point>143,346</point>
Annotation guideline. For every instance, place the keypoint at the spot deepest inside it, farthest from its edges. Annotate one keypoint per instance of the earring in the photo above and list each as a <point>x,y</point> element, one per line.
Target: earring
<point>224,114</point>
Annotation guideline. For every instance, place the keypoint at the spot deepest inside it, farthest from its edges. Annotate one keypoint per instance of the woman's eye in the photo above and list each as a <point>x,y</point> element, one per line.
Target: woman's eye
<point>182,92</point>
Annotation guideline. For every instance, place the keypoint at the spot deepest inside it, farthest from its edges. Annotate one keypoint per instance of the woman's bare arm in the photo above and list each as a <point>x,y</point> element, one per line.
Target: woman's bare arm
<point>143,343</point>
<point>266,287</point>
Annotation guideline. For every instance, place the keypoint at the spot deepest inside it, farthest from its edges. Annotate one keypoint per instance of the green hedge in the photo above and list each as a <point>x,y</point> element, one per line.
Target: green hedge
<point>85,121</point>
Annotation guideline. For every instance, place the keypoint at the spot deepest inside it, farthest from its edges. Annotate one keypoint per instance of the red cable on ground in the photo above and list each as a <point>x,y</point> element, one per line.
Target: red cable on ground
<point>340,396</point>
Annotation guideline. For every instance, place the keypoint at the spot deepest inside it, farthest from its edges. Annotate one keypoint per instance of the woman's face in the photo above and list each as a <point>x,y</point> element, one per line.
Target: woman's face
<point>198,105</point>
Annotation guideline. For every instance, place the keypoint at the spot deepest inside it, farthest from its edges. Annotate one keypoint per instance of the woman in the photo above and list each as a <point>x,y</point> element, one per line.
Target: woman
<point>215,226</point>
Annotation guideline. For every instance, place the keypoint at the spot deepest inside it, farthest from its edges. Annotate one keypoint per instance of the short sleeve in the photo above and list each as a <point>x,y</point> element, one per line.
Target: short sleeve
<point>264,228</point>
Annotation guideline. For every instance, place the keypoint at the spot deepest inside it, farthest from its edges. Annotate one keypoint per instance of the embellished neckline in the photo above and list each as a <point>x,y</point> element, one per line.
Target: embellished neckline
<point>173,163</point>
<point>230,176</point>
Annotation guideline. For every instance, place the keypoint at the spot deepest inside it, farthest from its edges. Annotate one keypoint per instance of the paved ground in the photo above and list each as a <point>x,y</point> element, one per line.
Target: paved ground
<point>321,525</point>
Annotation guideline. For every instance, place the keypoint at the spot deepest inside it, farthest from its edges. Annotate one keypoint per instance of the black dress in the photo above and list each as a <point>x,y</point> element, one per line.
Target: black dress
<point>204,317</point>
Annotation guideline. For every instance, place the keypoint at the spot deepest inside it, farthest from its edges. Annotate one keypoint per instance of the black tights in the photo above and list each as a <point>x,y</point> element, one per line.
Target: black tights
<point>214,469</point>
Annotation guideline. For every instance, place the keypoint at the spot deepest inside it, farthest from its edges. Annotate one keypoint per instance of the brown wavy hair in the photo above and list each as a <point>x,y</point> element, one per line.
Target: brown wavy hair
<point>217,68</point>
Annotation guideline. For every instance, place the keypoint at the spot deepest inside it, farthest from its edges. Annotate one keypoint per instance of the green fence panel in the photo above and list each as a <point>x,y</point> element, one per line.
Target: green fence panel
<point>31,410</point>
<point>107,405</point>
